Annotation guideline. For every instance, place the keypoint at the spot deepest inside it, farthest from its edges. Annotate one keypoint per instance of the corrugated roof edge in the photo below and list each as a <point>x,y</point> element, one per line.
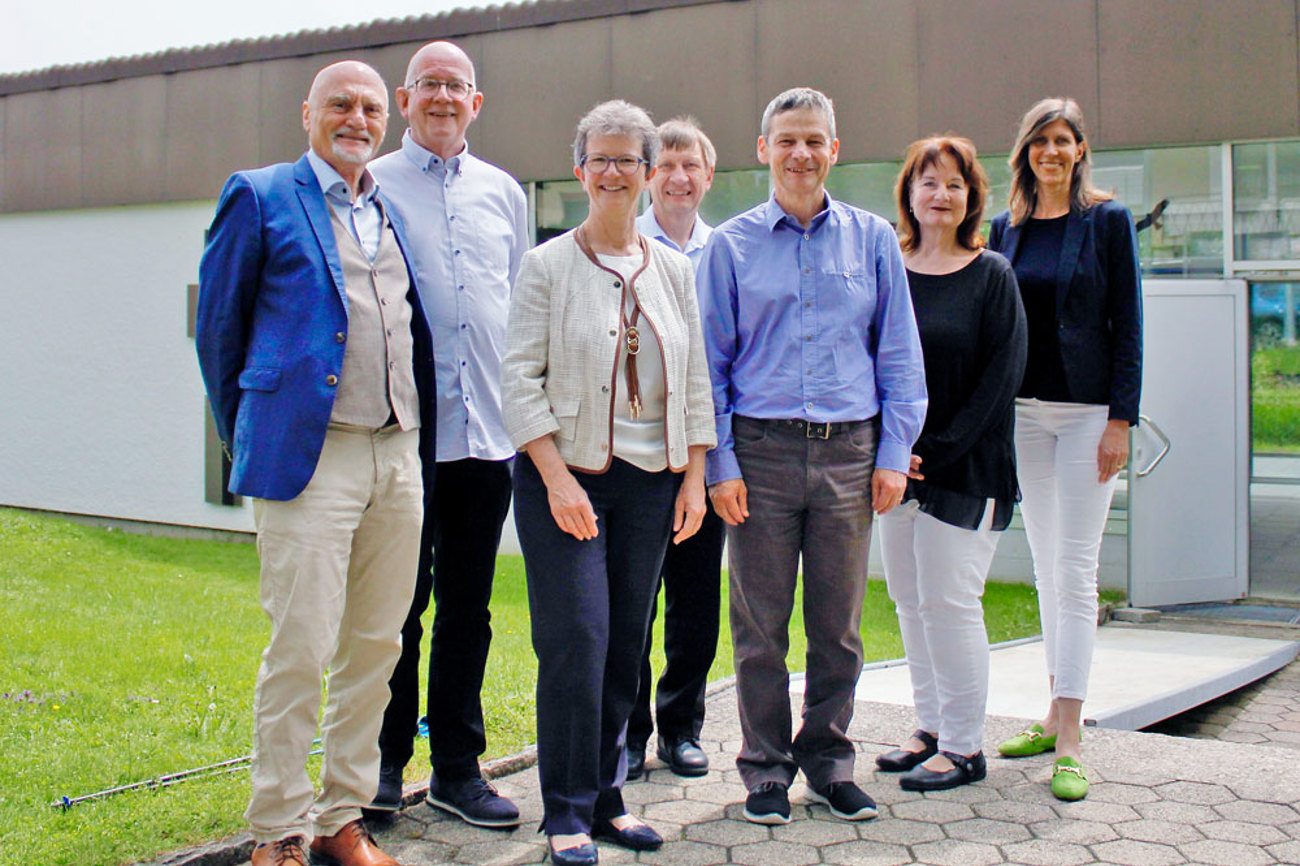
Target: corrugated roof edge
<point>376,34</point>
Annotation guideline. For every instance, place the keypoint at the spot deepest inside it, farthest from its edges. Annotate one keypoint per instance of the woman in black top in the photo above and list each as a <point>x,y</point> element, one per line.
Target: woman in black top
<point>1074,251</point>
<point>938,544</point>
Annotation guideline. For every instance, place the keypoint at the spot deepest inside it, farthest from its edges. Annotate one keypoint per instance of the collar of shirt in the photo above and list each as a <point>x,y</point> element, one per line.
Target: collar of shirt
<point>335,187</point>
<point>426,160</point>
<point>648,225</point>
<point>777,215</point>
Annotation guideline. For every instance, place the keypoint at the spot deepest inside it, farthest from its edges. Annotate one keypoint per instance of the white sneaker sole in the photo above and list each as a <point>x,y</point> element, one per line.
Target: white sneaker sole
<point>864,814</point>
<point>468,819</point>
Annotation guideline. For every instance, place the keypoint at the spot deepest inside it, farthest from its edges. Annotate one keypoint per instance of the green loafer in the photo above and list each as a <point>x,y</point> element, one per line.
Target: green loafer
<point>1030,741</point>
<point>1068,780</point>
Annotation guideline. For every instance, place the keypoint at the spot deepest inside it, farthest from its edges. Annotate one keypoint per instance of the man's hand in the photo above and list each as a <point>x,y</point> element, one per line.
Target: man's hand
<point>887,487</point>
<point>731,500</point>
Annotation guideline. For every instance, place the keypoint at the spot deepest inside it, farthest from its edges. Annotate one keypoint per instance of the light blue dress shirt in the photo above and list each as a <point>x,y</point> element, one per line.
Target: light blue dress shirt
<point>811,323</point>
<point>362,217</point>
<point>467,229</point>
<point>648,225</point>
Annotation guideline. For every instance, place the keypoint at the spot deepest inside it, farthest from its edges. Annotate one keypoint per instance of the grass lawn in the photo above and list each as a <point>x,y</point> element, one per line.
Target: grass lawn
<point>1275,399</point>
<point>128,657</point>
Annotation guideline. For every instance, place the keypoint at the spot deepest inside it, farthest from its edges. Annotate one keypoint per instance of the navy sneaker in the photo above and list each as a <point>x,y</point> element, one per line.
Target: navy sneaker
<point>474,801</point>
<point>389,796</point>
<point>768,804</point>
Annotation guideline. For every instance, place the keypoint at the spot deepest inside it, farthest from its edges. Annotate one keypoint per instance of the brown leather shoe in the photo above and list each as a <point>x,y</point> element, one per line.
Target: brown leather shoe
<point>351,846</point>
<point>285,852</point>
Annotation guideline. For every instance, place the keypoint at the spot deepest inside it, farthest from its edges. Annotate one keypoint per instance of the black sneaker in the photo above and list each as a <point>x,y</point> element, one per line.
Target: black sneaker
<point>768,804</point>
<point>474,801</point>
<point>389,796</point>
<point>847,801</point>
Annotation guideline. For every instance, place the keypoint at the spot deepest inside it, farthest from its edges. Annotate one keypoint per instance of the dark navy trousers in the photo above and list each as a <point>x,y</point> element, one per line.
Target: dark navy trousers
<point>590,606</point>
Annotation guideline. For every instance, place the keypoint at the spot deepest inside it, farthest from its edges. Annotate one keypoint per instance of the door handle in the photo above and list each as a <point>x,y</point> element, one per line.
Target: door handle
<point>1147,424</point>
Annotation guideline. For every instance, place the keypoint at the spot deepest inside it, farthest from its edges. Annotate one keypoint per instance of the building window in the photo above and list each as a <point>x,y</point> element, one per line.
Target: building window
<point>1266,201</point>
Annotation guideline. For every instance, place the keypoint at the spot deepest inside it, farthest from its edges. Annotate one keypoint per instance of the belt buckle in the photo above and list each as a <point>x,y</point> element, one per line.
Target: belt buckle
<point>815,430</point>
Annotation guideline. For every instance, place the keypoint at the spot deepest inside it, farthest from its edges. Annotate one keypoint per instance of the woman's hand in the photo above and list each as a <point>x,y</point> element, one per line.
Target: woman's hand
<point>914,470</point>
<point>688,513</point>
<point>569,503</point>
<point>1112,452</point>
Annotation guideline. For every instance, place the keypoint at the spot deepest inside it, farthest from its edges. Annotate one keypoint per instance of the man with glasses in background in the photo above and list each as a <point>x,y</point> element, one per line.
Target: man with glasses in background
<point>467,227</point>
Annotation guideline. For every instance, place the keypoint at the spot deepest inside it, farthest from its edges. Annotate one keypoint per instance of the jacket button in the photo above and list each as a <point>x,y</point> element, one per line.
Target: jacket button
<point>331,379</point>
<point>617,284</point>
<point>613,333</point>
<point>604,389</point>
<point>340,337</point>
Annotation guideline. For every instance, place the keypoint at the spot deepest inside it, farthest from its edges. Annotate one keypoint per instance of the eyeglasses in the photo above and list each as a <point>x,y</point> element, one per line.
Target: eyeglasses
<point>598,164</point>
<point>455,89</point>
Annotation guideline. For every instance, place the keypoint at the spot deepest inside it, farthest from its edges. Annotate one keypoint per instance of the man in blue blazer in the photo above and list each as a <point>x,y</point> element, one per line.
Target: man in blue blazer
<point>318,363</point>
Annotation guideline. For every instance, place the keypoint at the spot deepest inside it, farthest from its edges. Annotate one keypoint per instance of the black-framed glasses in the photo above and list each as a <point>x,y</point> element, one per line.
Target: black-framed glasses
<point>599,164</point>
<point>456,89</point>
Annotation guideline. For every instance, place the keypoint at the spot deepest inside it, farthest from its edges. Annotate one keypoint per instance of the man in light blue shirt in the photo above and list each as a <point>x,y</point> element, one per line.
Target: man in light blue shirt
<point>819,391</point>
<point>467,226</point>
<point>692,570</point>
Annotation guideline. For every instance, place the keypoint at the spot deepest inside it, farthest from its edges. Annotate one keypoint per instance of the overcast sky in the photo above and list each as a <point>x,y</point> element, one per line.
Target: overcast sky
<point>38,33</point>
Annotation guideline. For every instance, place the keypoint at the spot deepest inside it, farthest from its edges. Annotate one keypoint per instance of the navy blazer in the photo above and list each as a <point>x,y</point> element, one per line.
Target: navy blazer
<point>1098,304</point>
<point>271,326</point>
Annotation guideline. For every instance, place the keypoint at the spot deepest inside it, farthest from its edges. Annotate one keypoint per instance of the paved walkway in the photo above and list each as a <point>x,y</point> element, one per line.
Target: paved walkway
<point>1226,791</point>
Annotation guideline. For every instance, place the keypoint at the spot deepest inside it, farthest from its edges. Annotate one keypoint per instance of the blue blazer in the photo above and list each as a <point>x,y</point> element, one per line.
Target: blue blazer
<point>271,326</point>
<point>1098,304</point>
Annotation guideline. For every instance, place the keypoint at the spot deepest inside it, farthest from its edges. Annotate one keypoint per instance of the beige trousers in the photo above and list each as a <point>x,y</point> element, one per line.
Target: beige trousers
<point>337,575</point>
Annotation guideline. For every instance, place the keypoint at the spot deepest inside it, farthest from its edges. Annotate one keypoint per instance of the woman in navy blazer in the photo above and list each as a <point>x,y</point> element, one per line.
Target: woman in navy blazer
<point>1074,251</point>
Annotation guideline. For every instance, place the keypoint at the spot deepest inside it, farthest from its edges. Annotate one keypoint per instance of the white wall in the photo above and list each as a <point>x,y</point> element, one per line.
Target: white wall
<point>101,403</point>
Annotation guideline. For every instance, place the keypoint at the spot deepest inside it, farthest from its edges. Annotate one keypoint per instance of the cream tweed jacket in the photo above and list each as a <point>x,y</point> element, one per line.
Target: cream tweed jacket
<point>562,345</point>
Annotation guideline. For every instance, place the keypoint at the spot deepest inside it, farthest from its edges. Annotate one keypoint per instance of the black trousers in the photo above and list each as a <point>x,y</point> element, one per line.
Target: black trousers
<point>590,601</point>
<point>692,583</point>
<point>458,554</point>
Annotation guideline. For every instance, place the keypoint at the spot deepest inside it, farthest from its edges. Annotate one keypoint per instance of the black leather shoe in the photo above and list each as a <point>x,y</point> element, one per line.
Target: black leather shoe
<point>964,771</point>
<point>683,756</point>
<point>638,837</point>
<point>901,760</point>
<point>635,762</point>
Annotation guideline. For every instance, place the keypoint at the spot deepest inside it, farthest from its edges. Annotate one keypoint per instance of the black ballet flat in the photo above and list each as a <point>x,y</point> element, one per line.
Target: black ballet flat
<point>901,760</point>
<point>964,771</point>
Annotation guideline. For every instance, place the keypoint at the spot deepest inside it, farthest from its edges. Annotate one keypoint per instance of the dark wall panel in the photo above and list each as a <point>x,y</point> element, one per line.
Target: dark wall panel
<point>860,53</point>
<point>1181,71</point>
<point>112,174</point>
<point>698,60</point>
<point>982,64</point>
<point>212,122</point>
<point>284,85</point>
<point>43,153</point>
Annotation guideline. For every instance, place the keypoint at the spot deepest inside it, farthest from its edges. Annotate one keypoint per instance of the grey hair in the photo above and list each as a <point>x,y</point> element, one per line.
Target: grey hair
<point>796,98</point>
<point>618,117</point>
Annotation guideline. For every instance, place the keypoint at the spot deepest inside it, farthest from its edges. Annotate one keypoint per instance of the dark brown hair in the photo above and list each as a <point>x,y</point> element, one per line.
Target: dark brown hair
<point>920,156</point>
<point>1024,186</point>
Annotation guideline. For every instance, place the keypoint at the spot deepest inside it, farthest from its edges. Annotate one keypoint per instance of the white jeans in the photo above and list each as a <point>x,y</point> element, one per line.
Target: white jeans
<point>935,573</point>
<point>1064,507</point>
<point>338,572</point>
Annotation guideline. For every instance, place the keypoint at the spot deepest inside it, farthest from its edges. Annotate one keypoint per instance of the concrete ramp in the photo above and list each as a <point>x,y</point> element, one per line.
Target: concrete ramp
<point>1139,676</point>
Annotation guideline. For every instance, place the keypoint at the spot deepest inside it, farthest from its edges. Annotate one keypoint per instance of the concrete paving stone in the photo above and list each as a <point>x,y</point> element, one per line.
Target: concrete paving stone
<point>1047,852</point>
<point>889,794</point>
<point>1242,737</point>
<point>1287,725</point>
<point>933,811</point>
<point>1220,853</point>
<point>1030,792</point>
<point>1117,792</point>
<point>1131,852</point>
<point>727,832</point>
<point>899,832</point>
<point>863,853</point>
<point>686,854</point>
<point>980,792</point>
<point>419,852</point>
<point>1182,813</point>
<point>1094,810</point>
<point>501,853</point>
<point>456,832</point>
<point>816,833</point>
<point>1285,852</point>
<point>1200,793</point>
<point>775,854</point>
<point>1283,737</point>
<point>1292,830</point>
<point>683,812</point>
<point>1005,775</point>
<point>1254,812</point>
<point>953,852</point>
<point>1244,832</point>
<point>1020,813</point>
<point>1255,727</point>
<point>987,830</point>
<point>716,792</point>
<point>1080,832</point>
<point>1167,832</point>
<point>643,793</point>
